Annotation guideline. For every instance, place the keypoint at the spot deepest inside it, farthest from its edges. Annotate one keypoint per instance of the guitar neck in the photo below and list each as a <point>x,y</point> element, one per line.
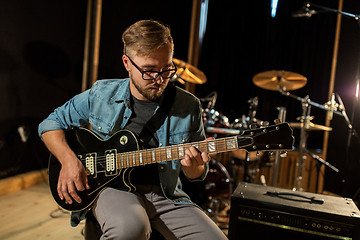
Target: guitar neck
<point>169,153</point>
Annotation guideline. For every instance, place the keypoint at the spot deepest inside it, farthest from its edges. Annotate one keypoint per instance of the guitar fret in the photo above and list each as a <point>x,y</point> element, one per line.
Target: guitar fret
<point>145,157</point>
<point>120,164</point>
<point>203,146</point>
<point>148,156</point>
<point>221,147</point>
<point>127,160</point>
<point>164,154</point>
<point>158,155</point>
<point>175,152</point>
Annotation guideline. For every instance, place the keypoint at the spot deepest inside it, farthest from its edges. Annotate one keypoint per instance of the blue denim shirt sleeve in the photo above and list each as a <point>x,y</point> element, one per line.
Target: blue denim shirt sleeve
<point>74,113</point>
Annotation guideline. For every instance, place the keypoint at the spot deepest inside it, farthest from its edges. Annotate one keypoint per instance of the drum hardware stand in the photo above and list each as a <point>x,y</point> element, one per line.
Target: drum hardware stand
<point>276,166</point>
<point>252,125</point>
<point>304,121</point>
<point>319,163</point>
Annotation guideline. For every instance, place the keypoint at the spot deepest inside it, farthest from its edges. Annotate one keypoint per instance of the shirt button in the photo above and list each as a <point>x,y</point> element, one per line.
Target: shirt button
<point>162,167</point>
<point>125,117</point>
<point>99,128</point>
<point>161,144</point>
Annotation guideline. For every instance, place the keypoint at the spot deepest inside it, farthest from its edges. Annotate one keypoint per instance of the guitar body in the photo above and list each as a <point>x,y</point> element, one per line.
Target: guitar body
<point>91,151</point>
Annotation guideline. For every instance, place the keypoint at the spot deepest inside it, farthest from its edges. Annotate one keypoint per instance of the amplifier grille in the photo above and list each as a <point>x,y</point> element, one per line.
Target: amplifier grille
<point>295,222</point>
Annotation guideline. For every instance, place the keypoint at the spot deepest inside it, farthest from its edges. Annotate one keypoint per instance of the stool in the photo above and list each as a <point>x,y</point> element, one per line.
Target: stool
<point>93,231</point>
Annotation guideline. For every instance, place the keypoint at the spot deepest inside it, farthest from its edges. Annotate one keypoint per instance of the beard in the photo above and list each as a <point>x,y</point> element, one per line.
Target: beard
<point>151,92</point>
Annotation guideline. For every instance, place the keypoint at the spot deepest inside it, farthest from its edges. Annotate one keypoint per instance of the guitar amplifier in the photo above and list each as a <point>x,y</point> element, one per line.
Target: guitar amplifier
<point>262,212</point>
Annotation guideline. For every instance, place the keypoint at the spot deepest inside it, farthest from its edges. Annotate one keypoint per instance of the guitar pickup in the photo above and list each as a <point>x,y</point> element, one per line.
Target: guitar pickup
<point>111,163</point>
<point>90,164</point>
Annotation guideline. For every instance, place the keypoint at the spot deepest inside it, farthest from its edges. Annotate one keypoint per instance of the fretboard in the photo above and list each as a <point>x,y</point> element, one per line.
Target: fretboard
<point>169,153</point>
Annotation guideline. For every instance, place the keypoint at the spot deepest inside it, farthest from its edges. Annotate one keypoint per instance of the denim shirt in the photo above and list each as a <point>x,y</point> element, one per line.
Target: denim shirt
<point>106,106</point>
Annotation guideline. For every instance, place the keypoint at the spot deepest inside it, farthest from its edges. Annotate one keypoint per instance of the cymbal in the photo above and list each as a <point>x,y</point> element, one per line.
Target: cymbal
<point>188,73</point>
<point>276,79</point>
<point>310,127</point>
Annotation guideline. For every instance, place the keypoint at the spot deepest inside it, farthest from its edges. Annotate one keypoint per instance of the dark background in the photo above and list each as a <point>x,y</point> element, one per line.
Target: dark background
<point>41,54</point>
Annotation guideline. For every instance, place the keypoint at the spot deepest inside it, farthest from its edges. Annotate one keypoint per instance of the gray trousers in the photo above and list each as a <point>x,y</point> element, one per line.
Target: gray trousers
<point>125,215</point>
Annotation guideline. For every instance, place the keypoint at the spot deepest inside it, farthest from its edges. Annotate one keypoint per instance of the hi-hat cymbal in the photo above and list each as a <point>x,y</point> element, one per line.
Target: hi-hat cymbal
<point>279,79</point>
<point>310,127</point>
<point>188,73</point>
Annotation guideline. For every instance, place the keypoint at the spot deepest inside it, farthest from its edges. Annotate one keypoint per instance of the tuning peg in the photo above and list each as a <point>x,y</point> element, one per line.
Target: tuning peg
<point>264,124</point>
<point>277,121</point>
<point>253,126</point>
<point>283,154</point>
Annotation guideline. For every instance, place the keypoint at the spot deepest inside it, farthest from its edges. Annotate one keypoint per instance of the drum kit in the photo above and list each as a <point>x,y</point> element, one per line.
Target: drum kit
<point>221,180</point>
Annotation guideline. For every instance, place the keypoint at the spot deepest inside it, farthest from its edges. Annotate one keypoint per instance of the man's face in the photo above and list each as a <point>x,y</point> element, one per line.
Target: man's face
<point>149,90</point>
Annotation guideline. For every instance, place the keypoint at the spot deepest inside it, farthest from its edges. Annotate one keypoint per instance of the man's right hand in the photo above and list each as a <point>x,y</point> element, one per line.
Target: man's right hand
<point>72,174</point>
<point>72,177</point>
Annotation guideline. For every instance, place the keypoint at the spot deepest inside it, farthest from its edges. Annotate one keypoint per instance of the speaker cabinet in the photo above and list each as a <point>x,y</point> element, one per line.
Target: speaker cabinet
<point>262,212</point>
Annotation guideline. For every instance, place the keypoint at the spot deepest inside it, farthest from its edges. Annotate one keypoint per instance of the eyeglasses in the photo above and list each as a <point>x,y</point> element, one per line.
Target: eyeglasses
<point>152,75</point>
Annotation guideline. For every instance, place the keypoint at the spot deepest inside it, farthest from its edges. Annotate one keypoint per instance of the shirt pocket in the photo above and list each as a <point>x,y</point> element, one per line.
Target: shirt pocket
<point>179,138</point>
<point>99,125</point>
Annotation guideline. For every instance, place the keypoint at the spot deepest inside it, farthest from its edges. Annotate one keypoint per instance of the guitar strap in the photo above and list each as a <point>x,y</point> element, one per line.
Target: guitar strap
<point>154,123</point>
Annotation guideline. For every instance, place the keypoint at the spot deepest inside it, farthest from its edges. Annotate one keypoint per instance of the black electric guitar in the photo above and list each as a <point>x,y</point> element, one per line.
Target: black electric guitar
<point>111,162</point>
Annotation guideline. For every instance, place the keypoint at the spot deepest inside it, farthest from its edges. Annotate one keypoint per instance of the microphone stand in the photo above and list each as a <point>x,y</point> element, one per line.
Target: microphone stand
<point>355,16</point>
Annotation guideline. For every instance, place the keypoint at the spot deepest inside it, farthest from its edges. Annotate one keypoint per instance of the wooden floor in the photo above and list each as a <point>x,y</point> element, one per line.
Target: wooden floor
<point>31,213</point>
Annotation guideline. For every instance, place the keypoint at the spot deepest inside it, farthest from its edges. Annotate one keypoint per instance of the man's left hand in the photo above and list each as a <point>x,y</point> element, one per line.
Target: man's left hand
<point>194,162</point>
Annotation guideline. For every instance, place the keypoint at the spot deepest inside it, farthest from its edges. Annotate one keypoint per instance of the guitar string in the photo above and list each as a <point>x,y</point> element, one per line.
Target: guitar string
<point>162,151</point>
<point>148,153</point>
<point>158,151</point>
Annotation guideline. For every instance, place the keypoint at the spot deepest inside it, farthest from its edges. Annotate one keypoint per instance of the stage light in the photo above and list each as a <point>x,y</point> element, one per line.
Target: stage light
<point>274,4</point>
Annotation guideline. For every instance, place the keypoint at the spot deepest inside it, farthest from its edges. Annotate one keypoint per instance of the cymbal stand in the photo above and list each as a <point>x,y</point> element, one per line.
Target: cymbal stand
<point>304,120</point>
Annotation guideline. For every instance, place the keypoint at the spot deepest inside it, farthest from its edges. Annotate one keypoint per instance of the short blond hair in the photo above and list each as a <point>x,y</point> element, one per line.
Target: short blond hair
<point>145,36</point>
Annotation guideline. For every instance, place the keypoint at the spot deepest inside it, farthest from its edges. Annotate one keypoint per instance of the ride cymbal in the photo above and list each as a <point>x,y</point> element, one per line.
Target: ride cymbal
<point>188,73</point>
<point>279,79</point>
